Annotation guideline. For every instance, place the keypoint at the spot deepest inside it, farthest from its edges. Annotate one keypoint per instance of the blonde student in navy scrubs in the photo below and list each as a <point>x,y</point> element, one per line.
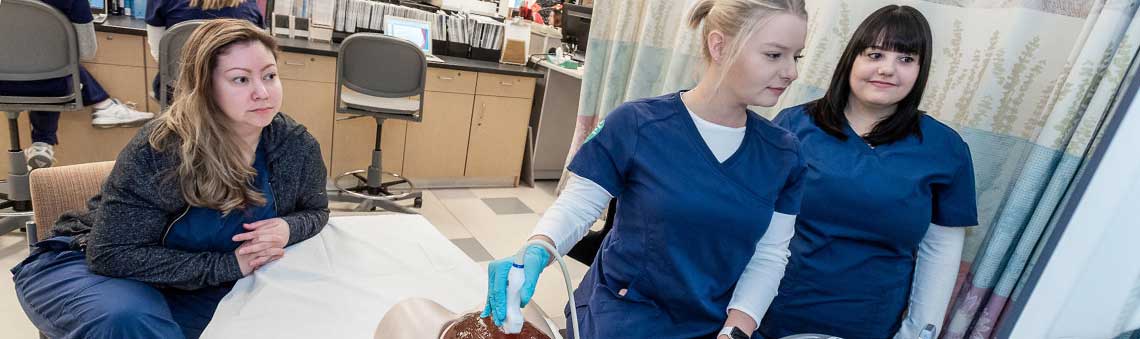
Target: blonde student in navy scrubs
<point>161,15</point>
<point>887,196</point>
<point>707,192</point>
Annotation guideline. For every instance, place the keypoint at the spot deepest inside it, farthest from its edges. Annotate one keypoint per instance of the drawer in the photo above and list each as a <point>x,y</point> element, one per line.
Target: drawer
<point>505,86</point>
<point>296,66</point>
<point>450,81</point>
<point>119,49</point>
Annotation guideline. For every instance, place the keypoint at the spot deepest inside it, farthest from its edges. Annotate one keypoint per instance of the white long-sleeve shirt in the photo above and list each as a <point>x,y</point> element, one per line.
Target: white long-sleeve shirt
<point>935,273</point>
<point>154,37</point>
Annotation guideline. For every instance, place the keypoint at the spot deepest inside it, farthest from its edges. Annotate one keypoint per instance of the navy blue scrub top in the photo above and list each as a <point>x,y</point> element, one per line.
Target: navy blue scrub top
<point>686,224</point>
<point>865,210</point>
<point>78,12</point>
<point>167,13</point>
<point>203,229</point>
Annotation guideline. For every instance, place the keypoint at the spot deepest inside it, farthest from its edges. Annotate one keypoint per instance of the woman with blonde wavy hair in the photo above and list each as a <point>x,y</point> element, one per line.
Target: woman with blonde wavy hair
<point>707,192</point>
<point>201,197</point>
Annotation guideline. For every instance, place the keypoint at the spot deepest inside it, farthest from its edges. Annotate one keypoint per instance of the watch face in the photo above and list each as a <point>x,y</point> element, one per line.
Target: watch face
<point>737,333</point>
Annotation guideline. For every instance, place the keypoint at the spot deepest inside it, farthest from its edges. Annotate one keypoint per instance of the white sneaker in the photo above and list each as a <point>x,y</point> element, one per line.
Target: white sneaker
<point>39,155</point>
<point>119,115</point>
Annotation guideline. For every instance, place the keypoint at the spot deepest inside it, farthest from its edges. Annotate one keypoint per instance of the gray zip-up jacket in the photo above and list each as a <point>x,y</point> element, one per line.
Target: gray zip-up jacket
<point>124,228</point>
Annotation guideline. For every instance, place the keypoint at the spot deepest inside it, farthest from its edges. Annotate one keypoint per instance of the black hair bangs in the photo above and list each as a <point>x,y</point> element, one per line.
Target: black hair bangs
<point>897,31</point>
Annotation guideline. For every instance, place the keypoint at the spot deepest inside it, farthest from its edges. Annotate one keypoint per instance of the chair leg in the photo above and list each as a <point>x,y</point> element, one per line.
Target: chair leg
<point>375,193</point>
<point>376,168</point>
<point>19,194</point>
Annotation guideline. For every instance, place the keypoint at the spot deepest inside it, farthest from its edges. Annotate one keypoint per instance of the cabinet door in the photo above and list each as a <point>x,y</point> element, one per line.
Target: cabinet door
<point>355,140</point>
<point>498,136</point>
<point>79,142</point>
<point>119,49</point>
<point>297,66</point>
<point>437,146</point>
<point>311,104</point>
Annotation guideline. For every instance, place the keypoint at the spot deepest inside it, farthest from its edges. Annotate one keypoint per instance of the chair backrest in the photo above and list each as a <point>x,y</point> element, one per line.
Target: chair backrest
<point>60,189</point>
<point>381,66</point>
<point>170,57</point>
<point>38,43</point>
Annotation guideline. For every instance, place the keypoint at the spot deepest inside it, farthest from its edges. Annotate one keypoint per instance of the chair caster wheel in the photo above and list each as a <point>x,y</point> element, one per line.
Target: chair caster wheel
<point>418,203</point>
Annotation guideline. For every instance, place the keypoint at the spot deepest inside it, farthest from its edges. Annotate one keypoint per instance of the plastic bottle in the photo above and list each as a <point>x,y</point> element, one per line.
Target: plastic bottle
<point>514,322</point>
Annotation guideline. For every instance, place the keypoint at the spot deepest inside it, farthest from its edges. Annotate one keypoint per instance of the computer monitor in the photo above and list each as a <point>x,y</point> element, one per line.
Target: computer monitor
<point>576,25</point>
<point>98,6</point>
<point>416,31</point>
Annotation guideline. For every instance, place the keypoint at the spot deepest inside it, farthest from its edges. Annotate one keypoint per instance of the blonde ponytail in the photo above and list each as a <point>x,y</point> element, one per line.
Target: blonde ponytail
<point>206,5</point>
<point>699,12</point>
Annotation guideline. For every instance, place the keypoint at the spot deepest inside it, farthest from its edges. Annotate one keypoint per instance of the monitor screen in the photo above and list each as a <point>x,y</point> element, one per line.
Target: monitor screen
<point>576,25</point>
<point>416,31</point>
<point>98,4</point>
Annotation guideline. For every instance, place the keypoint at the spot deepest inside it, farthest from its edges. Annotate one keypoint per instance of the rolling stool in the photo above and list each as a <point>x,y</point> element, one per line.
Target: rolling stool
<point>394,91</point>
<point>39,43</point>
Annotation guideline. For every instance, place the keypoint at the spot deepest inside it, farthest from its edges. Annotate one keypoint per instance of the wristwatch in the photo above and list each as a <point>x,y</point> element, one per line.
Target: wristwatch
<point>733,332</point>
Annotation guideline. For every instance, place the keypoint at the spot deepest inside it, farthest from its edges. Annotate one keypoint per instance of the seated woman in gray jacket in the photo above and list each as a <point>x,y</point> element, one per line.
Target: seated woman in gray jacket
<point>201,197</point>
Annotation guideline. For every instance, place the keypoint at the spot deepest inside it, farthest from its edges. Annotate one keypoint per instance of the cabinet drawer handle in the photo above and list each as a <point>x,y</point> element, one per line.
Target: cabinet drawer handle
<point>504,83</point>
<point>110,37</point>
<point>293,63</point>
<point>445,78</point>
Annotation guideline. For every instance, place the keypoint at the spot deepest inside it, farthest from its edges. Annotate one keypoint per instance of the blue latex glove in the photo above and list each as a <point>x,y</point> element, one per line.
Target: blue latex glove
<point>534,260</point>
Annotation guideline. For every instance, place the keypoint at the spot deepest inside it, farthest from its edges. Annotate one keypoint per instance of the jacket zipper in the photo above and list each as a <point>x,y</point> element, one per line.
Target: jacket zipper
<point>170,226</point>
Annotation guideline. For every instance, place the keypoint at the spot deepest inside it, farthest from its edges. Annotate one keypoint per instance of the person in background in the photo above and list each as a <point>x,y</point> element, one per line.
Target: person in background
<point>707,192</point>
<point>161,15</point>
<point>107,112</point>
<point>886,198</point>
<point>204,195</point>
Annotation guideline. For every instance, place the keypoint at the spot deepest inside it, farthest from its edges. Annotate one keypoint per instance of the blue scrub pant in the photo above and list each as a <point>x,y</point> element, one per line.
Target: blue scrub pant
<point>587,327</point>
<point>154,87</point>
<point>64,299</point>
<point>45,124</point>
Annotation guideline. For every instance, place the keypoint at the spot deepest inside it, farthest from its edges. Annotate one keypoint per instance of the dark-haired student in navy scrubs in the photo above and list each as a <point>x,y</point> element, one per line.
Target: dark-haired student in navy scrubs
<point>887,195</point>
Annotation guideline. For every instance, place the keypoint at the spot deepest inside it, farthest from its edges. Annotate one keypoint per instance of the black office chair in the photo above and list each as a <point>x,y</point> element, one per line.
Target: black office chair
<point>38,43</point>
<point>587,249</point>
<point>394,90</point>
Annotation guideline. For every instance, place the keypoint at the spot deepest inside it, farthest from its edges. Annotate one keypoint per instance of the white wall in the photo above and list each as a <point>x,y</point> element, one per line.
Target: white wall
<point>1090,287</point>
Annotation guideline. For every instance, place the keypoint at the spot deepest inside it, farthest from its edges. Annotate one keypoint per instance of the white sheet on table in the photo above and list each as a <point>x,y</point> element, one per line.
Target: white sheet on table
<point>340,283</point>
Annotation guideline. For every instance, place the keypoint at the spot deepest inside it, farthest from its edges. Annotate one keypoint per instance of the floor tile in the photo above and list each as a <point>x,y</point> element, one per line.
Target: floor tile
<point>438,214</point>
<point>503,206</point>
<point>13,321</point>
<point>473,249</point>
<point>502,236</point>
<point>460,193</point>
<point>538,199</point>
